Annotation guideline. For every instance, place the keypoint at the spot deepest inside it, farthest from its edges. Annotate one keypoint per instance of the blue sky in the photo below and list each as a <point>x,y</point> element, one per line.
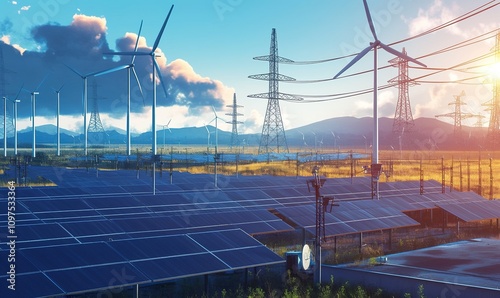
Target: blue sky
<point>209,47</point>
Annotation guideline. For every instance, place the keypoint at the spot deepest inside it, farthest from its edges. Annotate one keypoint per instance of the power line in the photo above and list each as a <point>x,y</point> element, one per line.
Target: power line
<point>463,17</point>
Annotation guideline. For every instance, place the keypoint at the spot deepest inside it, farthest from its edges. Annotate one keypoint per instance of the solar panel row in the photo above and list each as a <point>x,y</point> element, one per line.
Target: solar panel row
<point>80,267</point>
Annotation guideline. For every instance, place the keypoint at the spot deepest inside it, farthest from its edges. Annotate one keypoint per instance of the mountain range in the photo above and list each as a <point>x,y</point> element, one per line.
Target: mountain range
<point>342,132</point>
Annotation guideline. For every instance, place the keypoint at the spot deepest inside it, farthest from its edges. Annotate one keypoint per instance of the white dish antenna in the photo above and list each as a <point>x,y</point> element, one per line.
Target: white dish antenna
<point>306,257</point>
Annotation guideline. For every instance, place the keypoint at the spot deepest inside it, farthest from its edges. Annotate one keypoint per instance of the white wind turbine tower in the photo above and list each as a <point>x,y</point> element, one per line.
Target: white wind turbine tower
<point>14,102</point>
<point>216,155</point>
<point>34,93</point>
<point>85,105</point>
<point>130,69</point>
<point>163,127</point>
<point>156,68</point>
<point>375,45</point>
<point>57,121</point>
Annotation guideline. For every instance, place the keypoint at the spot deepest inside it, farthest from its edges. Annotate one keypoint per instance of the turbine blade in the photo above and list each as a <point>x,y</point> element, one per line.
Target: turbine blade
<point>370,21</point>
<point>19,92</point>
<point>158,72</point>
<point>401,55</point>
<point>356,59</point>
<point>60,88</point>
<point>128,53</point>
<point>157,41</point>
<point>40,85</point>
<point>139,84</point>
<point>213,109</point>
<point>103,72</point>
<point>168,122</point>
<point>74,70</point>
<point>136,43</point>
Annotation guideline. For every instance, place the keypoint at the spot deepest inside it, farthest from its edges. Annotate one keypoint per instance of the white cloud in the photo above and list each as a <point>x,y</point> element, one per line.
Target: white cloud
<point>434,16</point>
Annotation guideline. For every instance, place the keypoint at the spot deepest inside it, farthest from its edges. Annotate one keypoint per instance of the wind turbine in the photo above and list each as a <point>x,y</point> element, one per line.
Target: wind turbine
<point>85,105</point>
<point>57,91</point>
<point>216,156</point>
<point>130,69</point>
<point>156,68</point>
<point>34,93</point>
<point>375,45</point>
<point>165,126</point>
<point>15,102</point>
<point>4,126</point>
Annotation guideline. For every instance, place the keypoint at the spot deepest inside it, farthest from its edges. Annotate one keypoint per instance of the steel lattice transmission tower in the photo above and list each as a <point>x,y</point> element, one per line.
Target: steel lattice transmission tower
<point>273,137</point>
<point>403,118</point>
<point>234,122</point>
<point>96,133</point>
<point>458,115</point>
<point>3,93</point>
<point>494,104</point>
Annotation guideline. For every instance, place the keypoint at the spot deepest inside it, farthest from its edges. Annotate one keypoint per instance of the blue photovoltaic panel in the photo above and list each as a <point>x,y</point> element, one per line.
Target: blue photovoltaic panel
<point>41,232</point>
<point>42,205</point>
<point>71,256</point>
<point>180,266</point>
<point>106,279</point>
<point>92,228</point>
<point>249,257</point>
<point>224,240</point>
<point>147,248</point>
<point>30,285</point>
<point>28,192</point>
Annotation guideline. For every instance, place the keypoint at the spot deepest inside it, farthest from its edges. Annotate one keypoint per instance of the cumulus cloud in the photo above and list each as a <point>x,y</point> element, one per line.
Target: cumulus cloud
<point>433,16</point>
<point>81,45</point>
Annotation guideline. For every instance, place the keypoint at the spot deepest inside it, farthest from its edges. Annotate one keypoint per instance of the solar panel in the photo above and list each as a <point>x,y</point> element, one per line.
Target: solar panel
<point>248,257</point>
<point>71,256</point>
<point>103,278</point>
<point>157,247</point>
<point>175,267</point>
<point>224,240</point>
<point>28,285</point>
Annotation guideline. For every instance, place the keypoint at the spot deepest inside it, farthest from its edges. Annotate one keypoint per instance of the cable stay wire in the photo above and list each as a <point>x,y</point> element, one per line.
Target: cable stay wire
<point>458,19</point>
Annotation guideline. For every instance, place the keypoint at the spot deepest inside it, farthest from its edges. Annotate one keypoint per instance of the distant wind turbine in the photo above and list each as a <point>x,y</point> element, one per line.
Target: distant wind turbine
<point>34,93</point>
<point>57,91</point>
<point>14,102</point>
<point>216,156</point>
<point>84,78</point>
<point>375,45</point>
<point>130,69</point>
<point>165,126</point>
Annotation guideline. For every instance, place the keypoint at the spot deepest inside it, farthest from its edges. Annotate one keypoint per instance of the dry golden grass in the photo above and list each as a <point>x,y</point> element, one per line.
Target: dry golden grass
<point>462,169</point>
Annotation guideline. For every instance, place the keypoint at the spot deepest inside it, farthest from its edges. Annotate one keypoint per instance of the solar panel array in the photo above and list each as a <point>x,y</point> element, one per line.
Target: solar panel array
<point>80,267</point>
<point>113,214</point>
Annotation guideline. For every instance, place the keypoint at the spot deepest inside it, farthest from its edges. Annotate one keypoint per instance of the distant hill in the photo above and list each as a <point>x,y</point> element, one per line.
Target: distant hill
<point>341,132</point>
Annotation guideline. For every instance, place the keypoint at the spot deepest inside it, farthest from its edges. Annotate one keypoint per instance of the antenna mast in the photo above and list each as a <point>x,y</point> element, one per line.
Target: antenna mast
<point>273,137</point>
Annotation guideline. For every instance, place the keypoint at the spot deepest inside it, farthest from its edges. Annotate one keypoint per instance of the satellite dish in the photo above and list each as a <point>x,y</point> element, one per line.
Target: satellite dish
<point>306,257</point>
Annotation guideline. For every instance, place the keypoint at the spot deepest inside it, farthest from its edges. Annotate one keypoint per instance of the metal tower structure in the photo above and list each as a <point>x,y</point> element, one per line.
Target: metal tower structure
<point>234,121</point>
<point>273,137</point>
<point>403,118</point>
<point>96,132</point>
<point>3,93</point>
<point>458,115</point>
<point>494,104</point>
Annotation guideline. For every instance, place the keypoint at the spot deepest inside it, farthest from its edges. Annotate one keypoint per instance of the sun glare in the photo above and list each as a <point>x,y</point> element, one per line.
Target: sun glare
<point>494,70</point>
